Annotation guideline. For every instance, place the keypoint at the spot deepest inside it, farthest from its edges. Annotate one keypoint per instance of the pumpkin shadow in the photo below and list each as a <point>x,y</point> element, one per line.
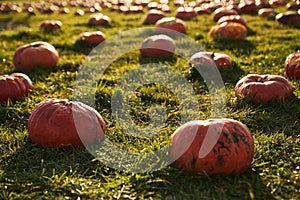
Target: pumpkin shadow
<point>240,46</point>
<point>175,184</point>
<point>272,115</point>
<point>34,168</point>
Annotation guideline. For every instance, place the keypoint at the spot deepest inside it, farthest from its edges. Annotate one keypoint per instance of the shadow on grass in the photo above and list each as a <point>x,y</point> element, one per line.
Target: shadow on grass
<point>269,118</point>
<point>241,46</point>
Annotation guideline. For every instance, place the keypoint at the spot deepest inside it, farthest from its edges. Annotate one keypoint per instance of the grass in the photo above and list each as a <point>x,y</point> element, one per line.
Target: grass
<point>31,172</point>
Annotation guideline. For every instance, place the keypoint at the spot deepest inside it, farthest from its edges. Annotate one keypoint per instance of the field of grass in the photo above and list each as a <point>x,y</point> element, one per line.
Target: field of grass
<point>31,172</point>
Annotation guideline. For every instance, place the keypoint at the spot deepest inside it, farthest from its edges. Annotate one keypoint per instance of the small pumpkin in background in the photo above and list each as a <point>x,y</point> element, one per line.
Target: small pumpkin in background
<point>263,88</point>
<point>14,86</point>
<point>289,17</point>
<point>292,65</point>
<point>51,25</point>
<point>223,11</point>
<point>214,146</point>
<point>185,13</point>
<point>153,16</point>
<point>228,30</point>
<point>99,19</point>
<point>93,38</point>
<point>221,60</point>
<point>171,23</point>
<point>233,18</point>
<point>61,122</point>
<point>36,54</point>
<point>158,46</point>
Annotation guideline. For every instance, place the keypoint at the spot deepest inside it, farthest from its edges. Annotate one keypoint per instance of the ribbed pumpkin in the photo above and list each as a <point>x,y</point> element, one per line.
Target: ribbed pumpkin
<point>58,122</point>
<point>158,46</point>
<point>292,65</point>
<point>36,54</point>
<point>228,30</point>
<point>223,146</point>
<point>14,86</point>
<point>263,88</point>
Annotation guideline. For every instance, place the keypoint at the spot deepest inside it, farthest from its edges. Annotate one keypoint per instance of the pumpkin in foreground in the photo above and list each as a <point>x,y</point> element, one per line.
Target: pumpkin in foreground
<point>36,54</point>
<point>14,86</point>
<point>263,88</point>
<point>58,123</point>
<point>214,146</point>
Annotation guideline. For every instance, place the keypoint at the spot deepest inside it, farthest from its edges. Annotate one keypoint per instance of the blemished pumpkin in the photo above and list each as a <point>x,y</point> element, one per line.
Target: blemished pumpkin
<point>36,54</point>
<point>58,122</point>
<point>262,89</point>
<point>292,65</point>
<point>14,86</point>
<point>214,146</point>
<point>158,46</point>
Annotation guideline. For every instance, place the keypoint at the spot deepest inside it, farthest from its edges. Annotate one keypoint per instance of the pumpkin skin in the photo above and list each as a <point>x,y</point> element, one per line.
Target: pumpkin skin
<point>228,30</point>
<point>266,12</point>
<point>289,17</point>
<point>52,124</point>
<point>185,13</point>
<point>158,46</point>
<point>262,89</point>
<point>171,23</point>
<point>93,38</point>
<point>231,142</point>
<point>35,54</point>
<point>292,66</point>
<point>51,25</point>
<point>233,18</point>
<point>223,11</point>
<point>99,19</point>
<point>153,16</point>
<point>221,60</point>
<point>14,86</point>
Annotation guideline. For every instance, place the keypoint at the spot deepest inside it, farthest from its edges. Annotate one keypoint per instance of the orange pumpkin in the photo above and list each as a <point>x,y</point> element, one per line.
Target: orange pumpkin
<point>233,18</point>
<point>171,23</point>
<point>14,86</point>
<point>213,146</point>
<point>34,55</point>
<point>51,25</point>
<point>263,88</point>
<point>99,19</point>
<point>153,16</point>
<point>158,46</point>
<point>93,37</point>
<point>228,30</point>
<point>292,65</point>
<point>185,13</point>
<point>58,122</point>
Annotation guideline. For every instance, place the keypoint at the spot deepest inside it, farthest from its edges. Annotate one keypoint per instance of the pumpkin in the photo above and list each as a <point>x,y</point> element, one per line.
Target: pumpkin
<point>233,18</point>
<point>185,13</point>
<point>158,46</point>
<point>99,19</point>
<point>228,30</point>
<point>266,12</point>
<point>289,17</point>
<point>79,12</point>
<point>51,25</point>
<point>93,38</point>
<point>58,122</point>
<point>64,11</point>
<point>292,65</point>
<point>221,60</point>
<point>248,7</point>
<point>202,11</point>
<point>214,146</point>
<point>153,16</point>
<point>223,11</point>
<point>293,6</point>
<point>263,88</point>
<point>14,86</point>
<point>171,23</point>
<point>35,54</point>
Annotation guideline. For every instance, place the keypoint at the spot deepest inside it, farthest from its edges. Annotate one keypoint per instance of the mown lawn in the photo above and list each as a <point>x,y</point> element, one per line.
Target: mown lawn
<point>31,172</point>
